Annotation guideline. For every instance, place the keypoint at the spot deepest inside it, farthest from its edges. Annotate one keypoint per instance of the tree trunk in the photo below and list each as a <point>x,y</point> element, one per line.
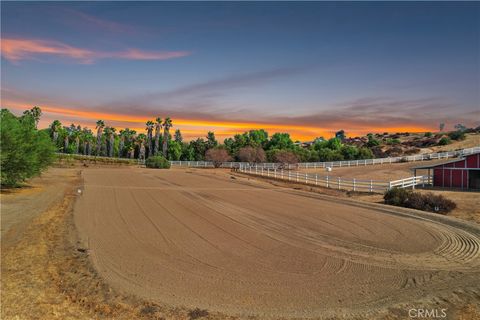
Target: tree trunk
<point>165,143</point>
<point>65,144</point>
<point>120,147</point>
<point>77,146</point>
<point>99,143</point>
<point>112,140</point>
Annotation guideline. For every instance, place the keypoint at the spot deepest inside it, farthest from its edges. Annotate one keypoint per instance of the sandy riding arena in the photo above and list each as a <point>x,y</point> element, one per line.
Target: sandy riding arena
<point>236,246</point>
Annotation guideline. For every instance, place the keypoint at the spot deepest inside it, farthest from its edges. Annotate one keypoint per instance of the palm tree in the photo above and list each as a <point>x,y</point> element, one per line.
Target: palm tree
<point>149,129</point>
<point>140,142</point>
<point>75,133</point>
<point>35,113</point>
<point>110,138</point>
<point>66,139</point>
<point>158,130</point>
<point>167,124</point>
<point>99,127</point>
<point>87,138</point>
<point>121,145</point>
<point>55,128</point>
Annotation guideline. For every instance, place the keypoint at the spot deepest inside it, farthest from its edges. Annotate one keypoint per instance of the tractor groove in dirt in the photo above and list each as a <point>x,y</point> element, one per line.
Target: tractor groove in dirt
<point>199,239</point>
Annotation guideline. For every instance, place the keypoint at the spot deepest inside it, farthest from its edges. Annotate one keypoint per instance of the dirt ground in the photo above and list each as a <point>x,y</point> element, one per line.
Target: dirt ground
<point>201,244</point>
<point>200,238</point>
<point>380,172</point>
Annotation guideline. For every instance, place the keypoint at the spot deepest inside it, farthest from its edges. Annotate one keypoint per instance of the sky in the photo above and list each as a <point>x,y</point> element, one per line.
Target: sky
<point>307,68</point>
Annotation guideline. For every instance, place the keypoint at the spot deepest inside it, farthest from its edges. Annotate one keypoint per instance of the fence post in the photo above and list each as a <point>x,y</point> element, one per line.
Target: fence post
<point>306,177</point>
<point>262,171</point>
<point>275,173</point>
<point>353,184</point>
<point>339,183</point>
<point>316,179</point>
<point>297,176</point>
<point>282,174</point>
<point>328,185</point>
<point>389,185</point>
<point>371,186</point>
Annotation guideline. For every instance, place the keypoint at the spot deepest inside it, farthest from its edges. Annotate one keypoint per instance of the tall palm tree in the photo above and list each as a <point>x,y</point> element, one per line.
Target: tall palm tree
<point>54,129</point>
<point>121,145</point>
<point>87,139</point>
<point>167,124</point>
<point>99,127</point>
<point>35,113</point>
<point>158,131</point>
<point>140,140</point>
<point>110,139</point>
<point>66,139</point>
<point>75,133</point>
<point>112,142</point>
<point>149,129</point>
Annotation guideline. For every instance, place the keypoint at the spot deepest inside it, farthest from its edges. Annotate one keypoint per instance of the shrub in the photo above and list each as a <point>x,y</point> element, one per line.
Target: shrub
<point>428,134</point>
<point>25,151</point>
<point>218,156</point>
<point>416,200</point>
<point>158,162</point>
<point>444,141</point>
<point>285,157</point>
<point>457,135</point>
<point>396,196</point>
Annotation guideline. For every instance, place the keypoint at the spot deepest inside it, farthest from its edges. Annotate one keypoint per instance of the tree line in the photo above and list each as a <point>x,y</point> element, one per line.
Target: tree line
<point>250,146</point>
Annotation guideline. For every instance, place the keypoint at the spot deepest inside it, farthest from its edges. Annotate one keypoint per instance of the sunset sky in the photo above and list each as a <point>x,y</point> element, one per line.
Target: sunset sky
<point>307,68</point>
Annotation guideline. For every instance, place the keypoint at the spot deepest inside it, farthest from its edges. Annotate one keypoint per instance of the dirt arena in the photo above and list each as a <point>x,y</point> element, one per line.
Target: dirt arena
<point>379,172</point>
<point>202,238</point>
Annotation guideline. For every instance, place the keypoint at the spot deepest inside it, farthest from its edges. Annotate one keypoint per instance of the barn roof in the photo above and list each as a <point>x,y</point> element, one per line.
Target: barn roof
<point>446,162</point>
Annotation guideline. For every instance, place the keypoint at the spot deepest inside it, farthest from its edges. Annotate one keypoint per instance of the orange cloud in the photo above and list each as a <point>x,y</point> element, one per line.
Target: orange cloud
<point>193,128</point>
<point>16,50</point>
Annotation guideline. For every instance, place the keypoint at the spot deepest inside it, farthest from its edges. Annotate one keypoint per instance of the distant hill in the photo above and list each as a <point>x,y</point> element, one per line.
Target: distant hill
<point>405,143</point>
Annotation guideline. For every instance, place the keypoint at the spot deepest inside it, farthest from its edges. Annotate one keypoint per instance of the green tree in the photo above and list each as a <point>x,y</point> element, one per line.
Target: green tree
<point>211,140</point>
<point>25,151</point>
<point>280,141</point>
<point>174,150</point>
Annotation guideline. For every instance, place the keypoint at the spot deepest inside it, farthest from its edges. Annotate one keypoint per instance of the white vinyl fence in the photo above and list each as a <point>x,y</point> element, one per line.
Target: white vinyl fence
<point>331,164</point>
<point>335,182</point>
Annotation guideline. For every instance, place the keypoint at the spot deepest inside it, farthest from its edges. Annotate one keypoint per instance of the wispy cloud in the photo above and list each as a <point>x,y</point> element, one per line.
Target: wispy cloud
<point>16,50</point>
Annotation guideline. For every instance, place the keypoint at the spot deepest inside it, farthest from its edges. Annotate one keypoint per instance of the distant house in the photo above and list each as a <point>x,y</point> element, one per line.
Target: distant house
<point>462,173</point>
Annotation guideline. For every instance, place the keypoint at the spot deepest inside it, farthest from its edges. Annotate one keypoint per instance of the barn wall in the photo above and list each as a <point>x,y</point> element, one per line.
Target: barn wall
<point>444,176</point>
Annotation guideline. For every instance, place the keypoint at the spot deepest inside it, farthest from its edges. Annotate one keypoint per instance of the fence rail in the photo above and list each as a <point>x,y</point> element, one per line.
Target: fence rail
<point>332,164</point>
<point>335,182</point>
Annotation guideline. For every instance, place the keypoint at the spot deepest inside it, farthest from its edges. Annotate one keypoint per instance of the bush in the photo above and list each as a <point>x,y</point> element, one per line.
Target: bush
<point>416,200</point>
<point>158,162</point>
<point>428,134</point>
<point>25,151</point>
<point>396,196</point>
<point>457,135</point>
<point>444,141</point>
<point>218,156</point>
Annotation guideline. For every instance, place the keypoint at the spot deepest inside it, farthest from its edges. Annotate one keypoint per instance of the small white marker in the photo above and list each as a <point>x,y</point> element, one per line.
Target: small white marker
<point>79,191</point>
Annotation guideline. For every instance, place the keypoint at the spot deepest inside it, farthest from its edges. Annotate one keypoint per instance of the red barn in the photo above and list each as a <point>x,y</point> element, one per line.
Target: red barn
<point>462,173</point>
